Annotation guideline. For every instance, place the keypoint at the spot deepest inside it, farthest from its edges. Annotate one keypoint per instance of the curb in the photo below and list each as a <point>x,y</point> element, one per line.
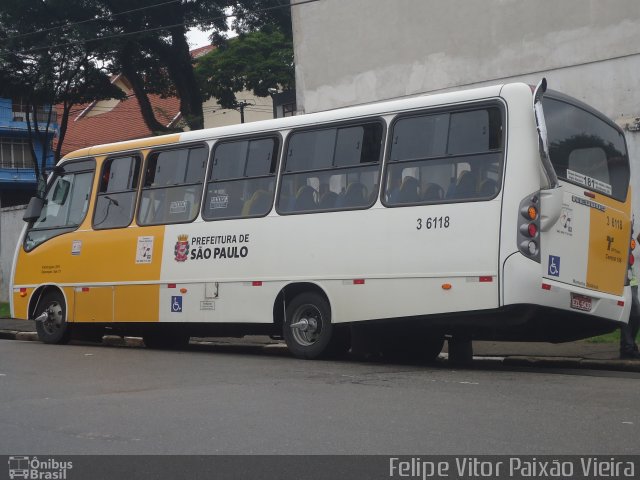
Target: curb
<point>509,361</point>
<point>572,362</point>
<point>15,335</point>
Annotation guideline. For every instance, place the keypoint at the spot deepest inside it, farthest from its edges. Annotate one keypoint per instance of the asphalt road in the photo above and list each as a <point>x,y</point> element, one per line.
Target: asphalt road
<point>79,399</point>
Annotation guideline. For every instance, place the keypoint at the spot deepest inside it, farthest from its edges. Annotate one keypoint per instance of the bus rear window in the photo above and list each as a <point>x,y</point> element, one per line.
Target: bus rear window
<point>586,150</point>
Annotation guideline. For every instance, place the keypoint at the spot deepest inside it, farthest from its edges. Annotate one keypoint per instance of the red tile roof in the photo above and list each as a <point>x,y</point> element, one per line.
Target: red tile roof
<point>123,122</point>
<point>200,51</point>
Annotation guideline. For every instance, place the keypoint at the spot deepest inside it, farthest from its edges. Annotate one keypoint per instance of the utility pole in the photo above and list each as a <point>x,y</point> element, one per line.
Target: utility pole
<point>240,106</point>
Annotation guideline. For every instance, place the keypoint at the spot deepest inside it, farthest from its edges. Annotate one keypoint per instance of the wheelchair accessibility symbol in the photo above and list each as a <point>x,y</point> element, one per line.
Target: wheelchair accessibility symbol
<point>554,265</point>
<point>176,304</point>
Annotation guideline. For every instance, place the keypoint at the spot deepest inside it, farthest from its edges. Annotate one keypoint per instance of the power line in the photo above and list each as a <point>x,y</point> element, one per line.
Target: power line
<point>95,19</point>
<point>183,24</point>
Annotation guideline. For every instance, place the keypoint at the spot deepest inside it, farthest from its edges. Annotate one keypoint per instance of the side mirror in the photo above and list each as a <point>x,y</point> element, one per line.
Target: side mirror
<point>33,210</point>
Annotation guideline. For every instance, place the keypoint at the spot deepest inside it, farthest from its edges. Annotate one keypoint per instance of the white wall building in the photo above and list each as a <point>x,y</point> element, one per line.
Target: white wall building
<point>360,51</point>
<point>257,108</point>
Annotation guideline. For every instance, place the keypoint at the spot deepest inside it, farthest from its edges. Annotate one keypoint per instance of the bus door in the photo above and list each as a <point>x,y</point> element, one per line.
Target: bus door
<point>588,246</point>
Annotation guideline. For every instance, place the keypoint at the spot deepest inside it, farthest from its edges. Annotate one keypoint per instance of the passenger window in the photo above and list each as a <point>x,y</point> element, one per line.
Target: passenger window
<point>172,186</point>
<point>331,169</point>
<point>242,179</point>
<point>116,198</point>
<point>443,157</point>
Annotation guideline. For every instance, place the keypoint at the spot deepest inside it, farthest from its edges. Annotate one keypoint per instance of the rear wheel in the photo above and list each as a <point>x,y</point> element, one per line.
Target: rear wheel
<point>307,329</point>
<point>54,328</point>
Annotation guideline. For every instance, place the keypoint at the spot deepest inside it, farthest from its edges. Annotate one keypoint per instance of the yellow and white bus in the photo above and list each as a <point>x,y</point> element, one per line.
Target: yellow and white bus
<point>501,212</point>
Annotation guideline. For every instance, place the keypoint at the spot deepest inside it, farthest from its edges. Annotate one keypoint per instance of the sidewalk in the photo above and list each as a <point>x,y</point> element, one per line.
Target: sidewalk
<point>580,354</point>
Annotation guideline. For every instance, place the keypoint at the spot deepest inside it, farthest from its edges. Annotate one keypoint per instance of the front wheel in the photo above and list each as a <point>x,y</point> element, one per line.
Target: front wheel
<point>54,329</point>
<point>307,328</point>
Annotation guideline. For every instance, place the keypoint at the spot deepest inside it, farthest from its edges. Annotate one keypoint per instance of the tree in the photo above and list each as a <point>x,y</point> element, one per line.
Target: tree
<point>259,59</point>
<point>45,66</point>
<point>255,61</point>
<point>153,53</point>
<point>147,43</point>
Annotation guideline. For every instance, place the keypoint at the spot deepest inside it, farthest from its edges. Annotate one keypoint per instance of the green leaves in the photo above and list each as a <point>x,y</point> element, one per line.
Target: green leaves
<point>253,61</point>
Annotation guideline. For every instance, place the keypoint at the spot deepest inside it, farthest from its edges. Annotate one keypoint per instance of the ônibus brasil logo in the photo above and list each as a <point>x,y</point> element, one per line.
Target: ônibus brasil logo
<point>181,250</point>
<point>33,468</point>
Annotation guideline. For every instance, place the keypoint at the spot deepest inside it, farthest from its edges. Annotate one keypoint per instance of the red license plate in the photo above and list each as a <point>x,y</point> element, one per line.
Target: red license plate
<point>581,302</point>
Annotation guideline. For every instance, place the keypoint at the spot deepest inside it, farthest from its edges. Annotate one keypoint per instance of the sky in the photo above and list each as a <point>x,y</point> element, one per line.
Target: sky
<point>197,38</point>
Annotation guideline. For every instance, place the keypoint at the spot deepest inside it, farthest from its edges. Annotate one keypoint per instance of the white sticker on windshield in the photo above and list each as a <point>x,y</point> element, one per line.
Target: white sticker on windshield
<point>588,182</point>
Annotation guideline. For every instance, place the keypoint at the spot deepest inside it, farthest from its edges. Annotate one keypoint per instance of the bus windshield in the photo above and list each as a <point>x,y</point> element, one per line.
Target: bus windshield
<point>586,149</point>
<point>66,204</point>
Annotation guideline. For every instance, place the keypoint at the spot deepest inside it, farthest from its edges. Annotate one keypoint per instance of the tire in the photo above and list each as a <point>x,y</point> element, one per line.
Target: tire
<point>307,328</point>
<point>55,329</point>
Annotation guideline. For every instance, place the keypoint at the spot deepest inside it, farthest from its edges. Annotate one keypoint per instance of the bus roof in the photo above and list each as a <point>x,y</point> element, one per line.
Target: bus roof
<point>367,110</point>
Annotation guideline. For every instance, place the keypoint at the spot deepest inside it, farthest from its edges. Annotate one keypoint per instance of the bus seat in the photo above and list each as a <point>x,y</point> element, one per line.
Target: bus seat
<point>466,185</point>
<point>328,200</point>
<point>305,199</point>
<point>433,191</point>
<point>354,196</point>
<point>409,190</point>
<point>258,204</point>
<point>488,187</point>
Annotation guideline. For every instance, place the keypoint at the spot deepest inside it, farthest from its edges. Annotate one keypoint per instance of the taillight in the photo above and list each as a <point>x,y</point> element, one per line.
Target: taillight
<point>632,259</point>
<point>529,227</point>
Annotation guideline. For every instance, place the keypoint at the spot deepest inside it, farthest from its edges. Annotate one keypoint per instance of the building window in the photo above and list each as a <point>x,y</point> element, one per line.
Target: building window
<point>15,153</point>
<point>288,109</point>
<point>20,111</point>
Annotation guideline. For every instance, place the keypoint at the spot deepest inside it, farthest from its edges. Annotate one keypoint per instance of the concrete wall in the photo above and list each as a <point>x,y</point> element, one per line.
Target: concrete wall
<point>10,227</point>
<point>359,51</point>
<point>365,50</point>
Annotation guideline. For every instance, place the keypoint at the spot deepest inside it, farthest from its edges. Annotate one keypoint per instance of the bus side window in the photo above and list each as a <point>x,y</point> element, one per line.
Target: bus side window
<point>172,185</point>
<point>334,168</point>
<point>241,182</point>
<point>116,197</point>
<point>444,157</point>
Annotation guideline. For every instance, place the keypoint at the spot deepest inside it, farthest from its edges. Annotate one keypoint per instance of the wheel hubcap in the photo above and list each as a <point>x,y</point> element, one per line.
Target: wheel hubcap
<point>307,325</point>
<point>54,317</point>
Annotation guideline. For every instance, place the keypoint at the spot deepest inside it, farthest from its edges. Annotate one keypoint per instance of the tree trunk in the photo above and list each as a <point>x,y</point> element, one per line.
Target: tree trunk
<point>180,67</point>
<point>137,83</point>
<point>62,130</point>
